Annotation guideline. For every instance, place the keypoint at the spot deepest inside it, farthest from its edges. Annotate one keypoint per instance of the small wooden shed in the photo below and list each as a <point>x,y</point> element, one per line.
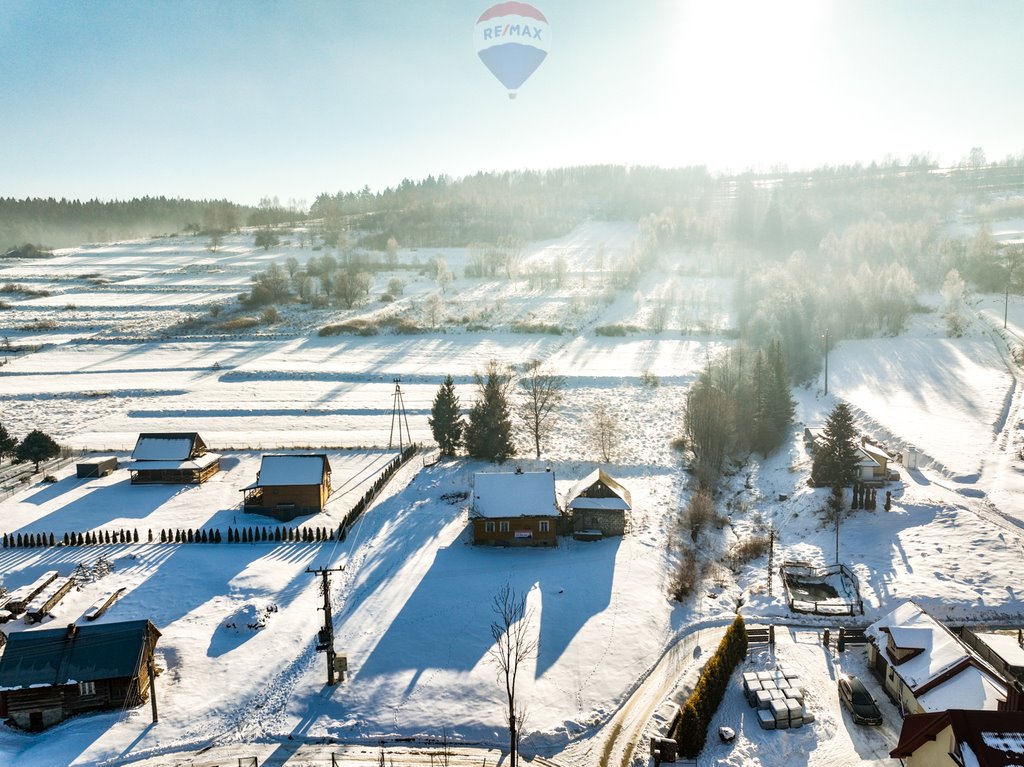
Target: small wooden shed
<point>289,486</point>
<point>598,504</point>
<point>49,675</point>
<point>172,458</point>
<point>99,466</point>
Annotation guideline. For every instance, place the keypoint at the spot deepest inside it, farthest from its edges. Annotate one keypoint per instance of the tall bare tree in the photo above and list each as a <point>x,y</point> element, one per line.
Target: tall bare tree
<point>606,431</point>
<point>542,394</point>
<point>514,643</point>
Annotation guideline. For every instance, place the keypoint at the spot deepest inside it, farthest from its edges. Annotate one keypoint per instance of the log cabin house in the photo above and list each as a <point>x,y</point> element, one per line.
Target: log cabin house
<point>515,509</point>
<point>49,675</point>
<point>289,486</point>
<point>172,458</point>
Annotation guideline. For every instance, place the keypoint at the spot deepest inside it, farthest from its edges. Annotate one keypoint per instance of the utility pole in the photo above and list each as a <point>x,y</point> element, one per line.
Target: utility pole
<point>826,337</point>
<point>151,670</point>
<point>325,637</point>
<point>398,414</point>
<point>771,558</point>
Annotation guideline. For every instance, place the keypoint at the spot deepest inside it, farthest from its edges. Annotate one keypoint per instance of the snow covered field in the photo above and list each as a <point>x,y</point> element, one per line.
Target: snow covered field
<point>412,607</point>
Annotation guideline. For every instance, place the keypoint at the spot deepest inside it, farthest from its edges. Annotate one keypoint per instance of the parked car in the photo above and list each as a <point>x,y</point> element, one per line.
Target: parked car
<point>856,697</point>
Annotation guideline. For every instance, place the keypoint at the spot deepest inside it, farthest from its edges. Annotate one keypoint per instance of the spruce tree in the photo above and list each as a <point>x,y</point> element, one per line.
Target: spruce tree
<point>7,442</point>
<point>489,431</point>
<point>445,418</point>
<point>835,456</point>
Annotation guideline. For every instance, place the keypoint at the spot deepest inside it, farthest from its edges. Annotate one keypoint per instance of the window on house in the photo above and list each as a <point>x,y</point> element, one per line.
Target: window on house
<point>545,526</point>
<point>488,527</point>
<point>503,526</point>
<point>86,688</point>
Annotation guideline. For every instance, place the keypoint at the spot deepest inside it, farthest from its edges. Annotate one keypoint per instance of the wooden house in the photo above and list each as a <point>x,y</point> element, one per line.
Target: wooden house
<point>98,466</point>
<point>515,509</point>
<point>289,486</point>
<point>598,504</point>
<point>172,458</point>
<point>958,737</point>
<point>926,668</point>
<point>49,675</point>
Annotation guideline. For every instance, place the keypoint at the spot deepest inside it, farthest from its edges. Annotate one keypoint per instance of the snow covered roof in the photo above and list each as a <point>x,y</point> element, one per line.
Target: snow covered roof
<point>199,463</point>
<point>514,494</point>
<point>879,455</point>
<point>619,500</point>
<point>278,470</point>
<point>612,504</point>
<point>984,738</point>
<point>944,671</point>
<point>1005,646</point>
<point>61,656</point>
<point>178,446</point>
<point>969,688</point>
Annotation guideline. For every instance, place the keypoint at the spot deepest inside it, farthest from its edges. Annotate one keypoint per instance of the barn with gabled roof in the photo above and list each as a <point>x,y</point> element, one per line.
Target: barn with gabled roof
<point>48,675</point>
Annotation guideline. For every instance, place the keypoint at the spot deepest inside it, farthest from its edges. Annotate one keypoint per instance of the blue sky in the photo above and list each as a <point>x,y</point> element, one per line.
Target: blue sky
<point>251,99</point>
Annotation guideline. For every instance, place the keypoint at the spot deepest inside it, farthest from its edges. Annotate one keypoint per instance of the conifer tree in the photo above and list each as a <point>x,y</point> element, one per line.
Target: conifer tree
<point>835,456</point>
<point>489,431</point>
<point>7,442</point>
<point>445,418</point>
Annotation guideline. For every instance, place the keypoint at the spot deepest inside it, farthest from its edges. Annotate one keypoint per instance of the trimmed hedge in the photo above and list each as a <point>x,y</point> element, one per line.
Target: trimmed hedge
<point>690,730</point>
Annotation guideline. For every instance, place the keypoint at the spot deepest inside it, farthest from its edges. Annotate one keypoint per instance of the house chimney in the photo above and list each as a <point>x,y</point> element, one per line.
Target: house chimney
<point>72,630</point>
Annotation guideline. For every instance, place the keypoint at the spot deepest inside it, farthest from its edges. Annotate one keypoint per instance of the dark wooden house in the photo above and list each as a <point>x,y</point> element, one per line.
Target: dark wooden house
<point>515,509</point>
<point>172,458</point>
<point>289,486</point>
<point>98,466</point>
<point>598,505</point>
<point>47,676</point>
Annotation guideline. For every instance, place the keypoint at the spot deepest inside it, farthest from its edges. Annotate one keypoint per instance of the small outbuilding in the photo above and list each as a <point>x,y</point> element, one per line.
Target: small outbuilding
<point>598,504</point>
<point>289,486</point>
<point>172,458</point>
<point>515,509</point>
<point>99,466</point>
<point>47,676</point>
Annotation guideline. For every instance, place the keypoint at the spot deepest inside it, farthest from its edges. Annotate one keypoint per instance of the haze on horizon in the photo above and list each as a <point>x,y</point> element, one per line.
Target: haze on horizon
<point>251,99</point>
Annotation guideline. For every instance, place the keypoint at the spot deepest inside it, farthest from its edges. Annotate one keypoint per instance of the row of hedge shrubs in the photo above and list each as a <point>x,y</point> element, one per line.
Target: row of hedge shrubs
<point>240,535</point>
<point>690,730</point>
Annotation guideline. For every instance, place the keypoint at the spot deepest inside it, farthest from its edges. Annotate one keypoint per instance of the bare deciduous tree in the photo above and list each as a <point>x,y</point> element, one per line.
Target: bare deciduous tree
<point>543,393</point>
<point>514,643</point>
<point>606,431</point>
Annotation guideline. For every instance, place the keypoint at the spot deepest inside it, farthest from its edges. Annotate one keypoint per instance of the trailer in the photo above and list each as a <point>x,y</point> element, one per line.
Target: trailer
<point>49,598</point>
<point>103,604</point>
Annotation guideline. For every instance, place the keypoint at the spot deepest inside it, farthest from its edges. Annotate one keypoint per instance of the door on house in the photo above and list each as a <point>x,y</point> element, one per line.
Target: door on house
<point>35,721</point>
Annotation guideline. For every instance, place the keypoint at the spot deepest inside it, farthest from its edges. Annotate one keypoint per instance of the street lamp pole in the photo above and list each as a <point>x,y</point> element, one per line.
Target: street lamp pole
<point>826,337</point>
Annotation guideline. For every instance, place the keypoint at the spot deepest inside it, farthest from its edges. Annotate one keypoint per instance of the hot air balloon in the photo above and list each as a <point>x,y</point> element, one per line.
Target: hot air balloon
<point>512,40</point>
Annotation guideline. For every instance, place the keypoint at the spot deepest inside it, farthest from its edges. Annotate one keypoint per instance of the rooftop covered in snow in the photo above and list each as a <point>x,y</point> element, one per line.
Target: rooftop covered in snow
<point>290,470</point>
<point>514,494</point>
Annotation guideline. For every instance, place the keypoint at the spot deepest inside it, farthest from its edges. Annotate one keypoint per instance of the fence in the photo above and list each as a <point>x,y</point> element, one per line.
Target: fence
<point>806,575</point>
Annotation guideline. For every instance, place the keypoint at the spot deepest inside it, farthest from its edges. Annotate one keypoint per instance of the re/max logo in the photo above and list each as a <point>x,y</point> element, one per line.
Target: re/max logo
<point>512,30</point>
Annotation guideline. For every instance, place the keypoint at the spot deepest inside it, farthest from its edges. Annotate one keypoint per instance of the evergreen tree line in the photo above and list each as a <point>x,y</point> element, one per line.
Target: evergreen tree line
<point>530,205</point>
<point>690,730</point>
<point>61,223</point>
<point>740,404</point>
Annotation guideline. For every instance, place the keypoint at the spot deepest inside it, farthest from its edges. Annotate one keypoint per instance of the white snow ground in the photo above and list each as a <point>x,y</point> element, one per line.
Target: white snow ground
<point>412,607</point>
